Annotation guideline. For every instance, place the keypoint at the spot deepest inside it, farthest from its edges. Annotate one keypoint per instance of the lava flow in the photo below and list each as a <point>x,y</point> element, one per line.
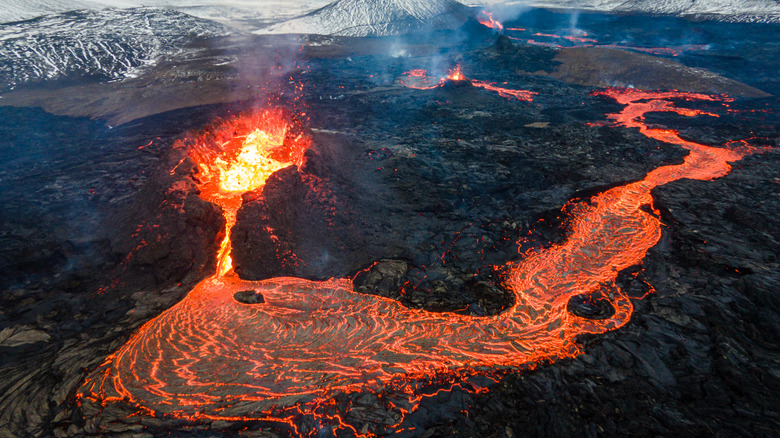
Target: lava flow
<point>420,80</point>
<point>211,357</point>
<point>486,19</point>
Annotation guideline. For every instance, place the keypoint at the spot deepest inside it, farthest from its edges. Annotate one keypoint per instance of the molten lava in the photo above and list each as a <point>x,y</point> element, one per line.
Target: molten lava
<point>456,74</point>
<point>486,19</point>
<point>211,357</point>
<point>420,80</point>
<point>238,156</point>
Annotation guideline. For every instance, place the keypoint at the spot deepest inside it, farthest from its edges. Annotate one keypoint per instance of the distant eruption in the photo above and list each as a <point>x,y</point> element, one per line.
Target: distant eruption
<point>486,19</point>
<point>456,74</point>
<point>211,357</point>
<point>420,79</point>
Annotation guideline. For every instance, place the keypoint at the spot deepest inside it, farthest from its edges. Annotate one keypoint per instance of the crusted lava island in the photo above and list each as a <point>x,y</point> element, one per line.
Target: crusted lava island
<point>483,226</point>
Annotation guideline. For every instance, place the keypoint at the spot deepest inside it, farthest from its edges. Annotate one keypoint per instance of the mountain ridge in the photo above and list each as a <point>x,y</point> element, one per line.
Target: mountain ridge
<point>105,45</point>
<point>763,11</point>
<point>376,18</point>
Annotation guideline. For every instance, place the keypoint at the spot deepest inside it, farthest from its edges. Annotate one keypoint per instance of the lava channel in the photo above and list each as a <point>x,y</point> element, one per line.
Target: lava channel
<point>212,357</point>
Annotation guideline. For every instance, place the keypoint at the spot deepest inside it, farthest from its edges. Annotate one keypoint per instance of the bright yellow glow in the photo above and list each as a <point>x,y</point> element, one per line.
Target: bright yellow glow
<point>253,166</point>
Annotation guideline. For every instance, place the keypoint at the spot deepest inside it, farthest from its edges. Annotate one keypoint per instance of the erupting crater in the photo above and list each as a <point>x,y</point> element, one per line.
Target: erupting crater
<point>302,342</point>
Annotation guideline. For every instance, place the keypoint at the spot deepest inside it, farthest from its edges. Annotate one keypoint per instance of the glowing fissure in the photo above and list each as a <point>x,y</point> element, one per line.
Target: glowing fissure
<point>420,79</point>
<point>211,357</point>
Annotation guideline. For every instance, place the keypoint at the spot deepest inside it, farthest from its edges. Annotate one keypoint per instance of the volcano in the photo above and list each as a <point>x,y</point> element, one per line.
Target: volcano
<point>494,228</point>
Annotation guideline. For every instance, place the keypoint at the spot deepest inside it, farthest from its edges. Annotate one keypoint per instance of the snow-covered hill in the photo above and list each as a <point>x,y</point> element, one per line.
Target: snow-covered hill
<point>15,10</point>
<point>728,10</point>
<point>253,14</point>
<point>241,13</point>
<point>376,18</point>
<point>106,44</point>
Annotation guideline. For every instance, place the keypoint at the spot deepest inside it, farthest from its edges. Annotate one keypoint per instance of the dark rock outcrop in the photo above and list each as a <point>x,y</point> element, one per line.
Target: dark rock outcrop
<point>383,278</point>
<point>170,234</point>
<point>607,67</point>
<point>249,297</point>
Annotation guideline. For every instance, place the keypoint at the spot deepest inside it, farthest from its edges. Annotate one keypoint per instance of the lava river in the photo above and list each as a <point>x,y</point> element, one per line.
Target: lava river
<point>212,357</point>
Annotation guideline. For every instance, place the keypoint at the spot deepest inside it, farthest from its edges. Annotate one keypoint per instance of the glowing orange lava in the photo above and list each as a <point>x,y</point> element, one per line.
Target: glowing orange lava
<point>238,156</point>
<point>486,19</point>
<point>420,80</point>
<point>211,357</point>
<point>456,74</point>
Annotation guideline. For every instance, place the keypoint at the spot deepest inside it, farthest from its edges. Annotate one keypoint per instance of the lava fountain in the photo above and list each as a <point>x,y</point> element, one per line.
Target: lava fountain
<point>238,156</point>
<point>212,357</point>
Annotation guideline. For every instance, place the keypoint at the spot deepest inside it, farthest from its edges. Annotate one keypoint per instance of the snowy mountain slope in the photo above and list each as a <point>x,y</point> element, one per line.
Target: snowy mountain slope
<point>729,10</point>
<point>242,14</point>
<point>260,12</point>
<point>231,12</point>
<point>107,44</point>
<point>376,18</point>
<point>15,10</point>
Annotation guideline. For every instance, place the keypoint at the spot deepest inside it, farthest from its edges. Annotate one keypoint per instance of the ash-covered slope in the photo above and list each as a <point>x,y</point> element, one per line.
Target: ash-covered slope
<point>376,18</point>
<point>767,11</point>
<point>102,45</point>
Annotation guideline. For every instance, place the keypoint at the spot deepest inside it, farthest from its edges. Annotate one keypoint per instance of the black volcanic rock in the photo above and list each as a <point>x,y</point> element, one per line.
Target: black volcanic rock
<point>249,297</point>
<point>457,83</point>
<point>382,278</point>
<point>591,307</point>
<point>261,243</point>
<point>503,44</point>
<point>306,225</point>
<point>608,67</point>
<point>170,233</point>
